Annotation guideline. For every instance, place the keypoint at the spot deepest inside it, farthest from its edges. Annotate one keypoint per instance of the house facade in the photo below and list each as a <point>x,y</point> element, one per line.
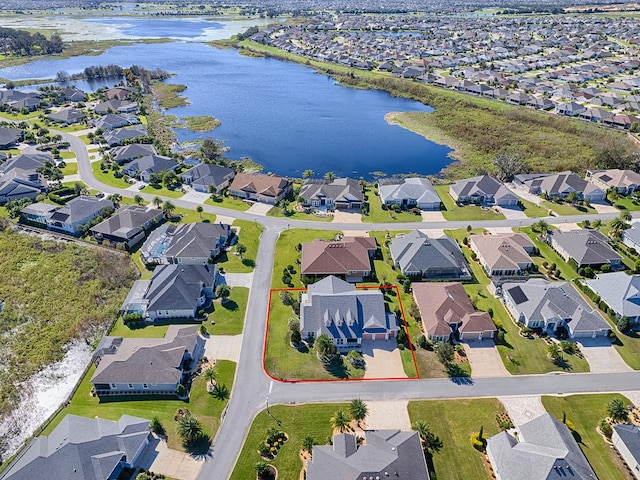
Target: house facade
<point>340,194</point>
<point>78,212</point>
<point>128,226</point>
<point>620,292</point>
<point>482,190</point>
<point>260,188</point>
<point>624,181</point>
<point>202,176</point>
<point>560,185</point>
<point>626,440</point>
<point>408,193</point>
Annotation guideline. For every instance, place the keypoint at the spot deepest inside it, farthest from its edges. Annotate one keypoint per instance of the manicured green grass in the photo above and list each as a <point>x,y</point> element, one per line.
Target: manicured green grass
<point>297,422</point>
<point>468,212</point>
<point>249,236</point>
<point>228,202</point>
<point>66,128</point>
<point>585,411</point>
<point>191,216</point>
<point>378,215</point>
<point>454,421</point>
<point>532,210</point>
<point>229,316</point>
<point>288,363</point>
<point>70,169</point>
<point>277,212</point>
<point>162,191</point>
<point>204,406</point>
<point>20,116</point>
<point>286,253</point>
<point>85,139</point>
<point>520,355</point>
<point>119,329</point>
<point>547,253</point>
<point>564,209</point>
<point>107,177</point>
<point>626,203</point>
<point>65,155</point>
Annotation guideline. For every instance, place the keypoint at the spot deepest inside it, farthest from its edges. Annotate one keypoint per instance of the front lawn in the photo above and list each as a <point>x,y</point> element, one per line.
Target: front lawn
<point>228,202</point>
<point>532,210</point>
<point>228,317</point>
<point>297,422</point>
<point>70,169</point>
<point>585,411</point>
<point>564,209</point>
<point>249,236</point>
<point>204,406</point>
<point>454,421</point>
<point>188,215</point>
<point>107,177</point>
<point>378,215</point>
<point>626,203</point>
<point>288,363</point>
<point>286,253</point>
<point>162,191</point>
<point>468,212</point>
<point>277,212</point>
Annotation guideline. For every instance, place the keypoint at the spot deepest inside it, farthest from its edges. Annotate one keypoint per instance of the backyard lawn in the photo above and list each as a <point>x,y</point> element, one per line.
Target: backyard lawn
<point>229,316</point>
<point>297,422</point>
<point>454,421</point>
<point>585,411</point>
<point>204,406</point>
<point>249,236</point>
<point>378,215</point>
<point>468,212</point>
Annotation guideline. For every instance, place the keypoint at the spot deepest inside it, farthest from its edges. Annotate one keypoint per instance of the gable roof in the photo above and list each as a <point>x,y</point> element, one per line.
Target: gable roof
<point>80,208</point>
<point>620,291</point>
<point>127,222</point>
<point>418,189</point>
<point>544,449</point>
<point>483,185</point>
<point>562,183</point>
<point>337,257</point>
<point>386,452</point>
<point>26,161</point>
<point>80,448</point>
<point>134,150</point>
<point>195,240</point>
<point>177,287</point>
<point>151,164</point>
<point>267,185</point>
<point>207,174</point>
<point>10,135</point>
<point>340,190</point>
<point>416,252</point>
<point>67,115</point>
<point>505,251</point>
<point>616,177</point>
<point>586,247</point>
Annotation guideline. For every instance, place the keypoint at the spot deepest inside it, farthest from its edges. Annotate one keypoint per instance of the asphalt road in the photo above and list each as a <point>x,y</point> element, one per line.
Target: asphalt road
<point>252,388</point>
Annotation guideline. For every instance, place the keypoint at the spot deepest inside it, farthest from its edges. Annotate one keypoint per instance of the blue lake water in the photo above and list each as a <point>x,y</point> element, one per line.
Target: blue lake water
<point>283,115</point>
<point>180,28</point>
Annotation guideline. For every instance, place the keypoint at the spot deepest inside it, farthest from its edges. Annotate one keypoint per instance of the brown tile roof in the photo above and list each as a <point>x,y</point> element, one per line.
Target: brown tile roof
<point>268,185</point>
<point>322,257</point>
<point>503,251</point>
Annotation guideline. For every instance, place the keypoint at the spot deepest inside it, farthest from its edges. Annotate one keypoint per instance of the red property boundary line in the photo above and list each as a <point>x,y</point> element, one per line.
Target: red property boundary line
<point>404,321</point>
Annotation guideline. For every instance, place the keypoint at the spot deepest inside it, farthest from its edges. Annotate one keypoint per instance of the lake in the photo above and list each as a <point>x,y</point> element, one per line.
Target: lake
<point>282,115</point>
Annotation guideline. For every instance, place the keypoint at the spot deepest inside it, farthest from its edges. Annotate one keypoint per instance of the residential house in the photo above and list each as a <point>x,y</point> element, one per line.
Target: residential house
<point>83,449</point>
<point>73,94</point>
<point>445,310</point>
<point>560,185</point>
<point>349,258</point>
<point>38,213</point>
<point>626,439</point>
<point>385,452</point>
<point>193,243</point>
<point>408,193</point>
<point>624,181</point>
<point>144,167</point>
<point>538,303</point>
<point>260,188</point>
<point>541,449</point>
<point>482,189</point>
<point>132,151</point>
<point>571,109</point>
<point>631,236</point>
<point>174,291</point>
<point>620,292</point>
<point>67,116</point>
<point>146,366</point>
<point>26,161</point>
<point>348,316</point>
<point>10,137</point>
<point>338,194</point>
<point>116,106</point>
<point>587,248</point>
<point>112,120</point>
<point>78,212</point>
<point>503,254</point>
<point>205,175</point>
<point>119,135</point>
<point>119,93</point>
<point>417,255</point>
<point>18,183</point>
<point>128,226</point>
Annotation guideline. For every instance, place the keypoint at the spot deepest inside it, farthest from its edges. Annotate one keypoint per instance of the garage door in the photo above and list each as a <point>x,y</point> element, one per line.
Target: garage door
<point>368,336</point>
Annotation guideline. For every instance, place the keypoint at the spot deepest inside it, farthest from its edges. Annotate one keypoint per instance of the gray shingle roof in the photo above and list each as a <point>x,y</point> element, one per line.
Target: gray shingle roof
<point>80,448</point>
<point>418,189</point>
<point>193,240</point>
<point>177,287</point>
<point>620,291</point>
<point>206,174</point>
<point>630,437</point>
<point>586,247</point>
<point>481,186</point>
<point>80,208</point>
<point>340,190</point>
<point>386,454</point>
<point>127,222</point>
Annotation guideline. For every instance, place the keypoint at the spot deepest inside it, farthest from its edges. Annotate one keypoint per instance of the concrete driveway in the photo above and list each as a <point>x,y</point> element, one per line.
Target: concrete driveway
<point>383,359</point>
<point>604,207</point>
<point>346,217</point>
<point>433,232</point>
<point>602,357</point>
<point>484,359</point>
<point>431,216</point>
<point>259,208</point>
<point>388,415</point>
<point>523,409</point>
<point>223,347</point>
<point>195,197</point>
<point>159,458</point>
<point>523,194</point>
<point>513,212</point>
<point>236,279</point>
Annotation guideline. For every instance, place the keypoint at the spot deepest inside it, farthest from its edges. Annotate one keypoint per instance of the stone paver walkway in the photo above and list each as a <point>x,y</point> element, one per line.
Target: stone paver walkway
<point>523,409</point>
<point>260,208</point>
<point>602,357</point>
<point>159,458</point>
<point>223,347</point>
<point>388,415</point>
<point>484,359</point>
<point>383,359</point>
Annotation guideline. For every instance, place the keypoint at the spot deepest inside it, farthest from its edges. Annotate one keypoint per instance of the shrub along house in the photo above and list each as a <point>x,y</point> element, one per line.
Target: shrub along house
<point>620,292</point>
<point>349,316</point>
<point>146,366</point>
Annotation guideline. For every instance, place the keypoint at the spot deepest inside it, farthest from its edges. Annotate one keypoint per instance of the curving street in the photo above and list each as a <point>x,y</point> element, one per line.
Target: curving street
<point>252,387</point>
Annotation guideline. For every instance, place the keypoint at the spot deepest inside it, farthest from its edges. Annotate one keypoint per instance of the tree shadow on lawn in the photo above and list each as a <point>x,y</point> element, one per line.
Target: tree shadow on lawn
<point>563,363</point>
<point>221,392</point>
<point>247,262</point>
<point>230,305</point>
<point>337,368</point>
<point>199,448</point>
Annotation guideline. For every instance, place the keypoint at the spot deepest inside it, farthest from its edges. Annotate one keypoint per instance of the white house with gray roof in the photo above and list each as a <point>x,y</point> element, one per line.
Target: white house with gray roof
<point>624,181</point>
<point>417,255</point>
<point>626,439</point>
<point>503,254</point>
<point>202,176</point>
<point>560,185</point>
<point>631,236</point>
<point>587,248</point>
<point>349,316</point>
<point>621,293</point>
<point>541,449</point>
<point>340,193</point>
<point>78,212</point>
<point>482,189</point>
<point>538,303</point>
<point>82,448</point>
<point>147,165</point>
<point>408,192</point>
<point>146,366</point>
<point>385,454</point>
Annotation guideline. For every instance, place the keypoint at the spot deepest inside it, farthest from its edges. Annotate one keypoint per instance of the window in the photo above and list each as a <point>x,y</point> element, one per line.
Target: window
<point>144,385</point>
<point>113,385</point>
<point>131,386</point>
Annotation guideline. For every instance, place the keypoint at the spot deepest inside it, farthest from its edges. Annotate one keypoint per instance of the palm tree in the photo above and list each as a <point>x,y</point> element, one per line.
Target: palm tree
<point>189,428</point>
<point>241,249</point>
<point>617,411</point>
<point>212,190</point>
<point>157,202</point>
<point>168,207</point>
<point>223,291</point>
<point>211,374</point>
<point>325,347</point>
<point>553,350</point>
<point>137,199</point>
<point>358,410</point>
<point>541,226</point>
<point>340,421</point>
<point>329,176</point>
<point>625,215</point>
<point>430,442</point>
<point>116,198</point>
<point>199,209</point>
<point>308,443</point>
<point>307,173</point>
<point>597,223</point>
